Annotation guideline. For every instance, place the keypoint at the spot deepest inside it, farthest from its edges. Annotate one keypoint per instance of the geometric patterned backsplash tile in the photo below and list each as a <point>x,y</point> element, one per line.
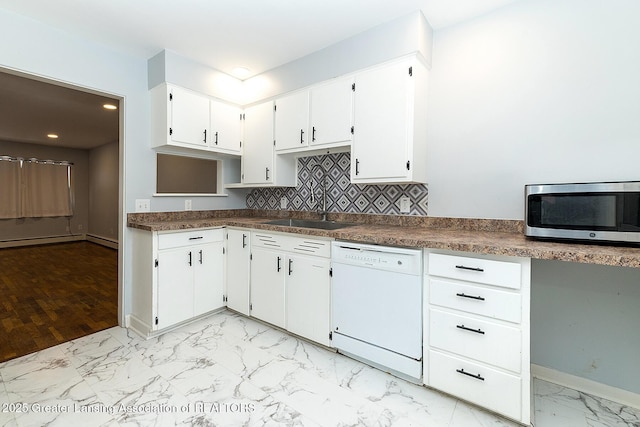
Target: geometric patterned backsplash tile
<point>342,195</point>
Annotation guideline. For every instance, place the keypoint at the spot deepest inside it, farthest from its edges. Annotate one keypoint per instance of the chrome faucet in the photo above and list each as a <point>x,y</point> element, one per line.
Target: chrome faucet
<point>322,211</point>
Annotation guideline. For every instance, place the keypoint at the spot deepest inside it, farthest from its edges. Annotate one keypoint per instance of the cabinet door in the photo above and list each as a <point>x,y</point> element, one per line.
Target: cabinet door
<point>267,286</point>
<point>382,121</point>
<point>208,282</point>
<point>307,291</point>
<point>189,117</point>
<point>225,127</point>
<point>238,265</point>
<point>332,112</point>
<point>175,286</point>
<point>292,121</point>
<point>258,154</point>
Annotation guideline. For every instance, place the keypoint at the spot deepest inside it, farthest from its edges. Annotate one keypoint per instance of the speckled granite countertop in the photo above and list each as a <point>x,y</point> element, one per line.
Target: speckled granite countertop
<point>498,237</point>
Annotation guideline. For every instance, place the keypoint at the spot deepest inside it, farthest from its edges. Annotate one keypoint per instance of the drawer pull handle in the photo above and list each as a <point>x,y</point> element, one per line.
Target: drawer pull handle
<point>463,295</point>
<point>244,241</point>
<point>464,267</point>
<point>196,238</point>
<point>476,376</point>
<point>278,264</point>
<point>477,331</point>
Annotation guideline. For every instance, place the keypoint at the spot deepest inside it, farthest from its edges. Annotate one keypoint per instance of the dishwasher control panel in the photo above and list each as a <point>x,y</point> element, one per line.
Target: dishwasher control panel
<point>400,260</point>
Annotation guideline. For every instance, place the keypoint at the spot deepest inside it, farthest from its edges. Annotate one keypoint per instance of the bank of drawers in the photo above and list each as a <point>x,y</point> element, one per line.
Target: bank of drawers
<point>475,339</point>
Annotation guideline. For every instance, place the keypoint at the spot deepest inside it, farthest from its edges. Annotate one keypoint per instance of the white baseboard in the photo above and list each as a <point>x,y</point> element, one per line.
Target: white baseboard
<point>584,385</point>
<point>104,241</point>
<point>42,240</point>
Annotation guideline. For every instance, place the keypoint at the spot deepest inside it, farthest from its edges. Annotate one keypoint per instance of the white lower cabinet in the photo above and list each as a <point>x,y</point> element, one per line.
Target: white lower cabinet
<point>290,283</point>
<point>178,276</point>
<point>237,269</point>
<point>267,286</point>
<point>307,290</point>
<point>477,330</point>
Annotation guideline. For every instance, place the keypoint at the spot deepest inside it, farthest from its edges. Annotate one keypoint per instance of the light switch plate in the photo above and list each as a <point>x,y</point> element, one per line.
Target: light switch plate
<point>187,205</point>
<point>143,205</point>
<point>405,205</point>
<point>283,203</point>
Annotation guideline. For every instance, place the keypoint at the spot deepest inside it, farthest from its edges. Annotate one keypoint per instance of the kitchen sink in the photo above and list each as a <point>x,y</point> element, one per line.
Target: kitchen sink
<point>305,223</point>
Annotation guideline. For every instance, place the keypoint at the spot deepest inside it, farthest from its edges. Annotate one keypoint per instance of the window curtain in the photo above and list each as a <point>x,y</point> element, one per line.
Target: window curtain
<point>46,189</point>
<point>9,188</point>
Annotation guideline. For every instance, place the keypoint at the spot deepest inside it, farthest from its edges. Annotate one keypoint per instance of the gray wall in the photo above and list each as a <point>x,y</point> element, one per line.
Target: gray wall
<point>103,191</point>
<point>535,92</point>
<point>25,228</point>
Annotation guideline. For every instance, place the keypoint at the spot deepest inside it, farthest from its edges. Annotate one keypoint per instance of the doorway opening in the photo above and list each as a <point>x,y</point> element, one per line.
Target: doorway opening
<point>60,276</point>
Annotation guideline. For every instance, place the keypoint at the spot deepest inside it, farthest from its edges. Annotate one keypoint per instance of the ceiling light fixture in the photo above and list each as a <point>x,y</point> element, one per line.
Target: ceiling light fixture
<point>52,136</point>
<point>110,107</point>
<point>241,72</point>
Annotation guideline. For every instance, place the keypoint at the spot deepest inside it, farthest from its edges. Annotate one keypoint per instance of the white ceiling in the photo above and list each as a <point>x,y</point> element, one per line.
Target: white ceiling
<point>225,34</point>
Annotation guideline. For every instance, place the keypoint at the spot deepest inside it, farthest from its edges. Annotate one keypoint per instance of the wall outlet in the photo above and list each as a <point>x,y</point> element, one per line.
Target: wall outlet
<point>80,227</point>
<point>187,205</point>
<point>143,205</point>
<point>405,205</point>
<point>283,203</point>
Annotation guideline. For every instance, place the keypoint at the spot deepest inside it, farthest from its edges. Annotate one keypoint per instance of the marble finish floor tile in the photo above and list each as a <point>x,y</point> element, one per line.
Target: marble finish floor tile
<point>230,370</point>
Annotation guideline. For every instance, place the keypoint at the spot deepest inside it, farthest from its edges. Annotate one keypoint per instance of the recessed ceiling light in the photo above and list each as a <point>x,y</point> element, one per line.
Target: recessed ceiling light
<point>52,136</point>
<point>110,107</point>
<point>241,72</point>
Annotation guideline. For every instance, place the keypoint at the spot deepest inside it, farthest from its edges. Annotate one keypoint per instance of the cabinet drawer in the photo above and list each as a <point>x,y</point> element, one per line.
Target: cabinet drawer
<point>292,243</point>
<point>479,270</point>
<point>485,341</point>
<point>476,383</point>
<point>466,297</point>
<point>189,238</point>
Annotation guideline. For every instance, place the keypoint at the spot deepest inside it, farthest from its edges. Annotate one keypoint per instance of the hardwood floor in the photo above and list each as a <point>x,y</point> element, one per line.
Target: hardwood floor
<point>51,294</point>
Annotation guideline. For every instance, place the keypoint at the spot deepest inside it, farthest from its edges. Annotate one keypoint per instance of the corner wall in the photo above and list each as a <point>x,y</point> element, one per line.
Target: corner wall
<point>103,192</point>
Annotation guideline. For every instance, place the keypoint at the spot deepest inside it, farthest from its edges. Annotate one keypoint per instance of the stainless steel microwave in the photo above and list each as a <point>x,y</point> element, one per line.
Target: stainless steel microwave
<point>602,211</point>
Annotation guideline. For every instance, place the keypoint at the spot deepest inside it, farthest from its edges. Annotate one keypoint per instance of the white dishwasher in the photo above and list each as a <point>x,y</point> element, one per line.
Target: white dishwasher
<point>376,300</point>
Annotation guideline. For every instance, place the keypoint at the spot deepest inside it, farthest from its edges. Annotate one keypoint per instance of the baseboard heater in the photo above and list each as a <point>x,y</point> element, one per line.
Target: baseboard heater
<point>104,241</point>
<point>41,240</point>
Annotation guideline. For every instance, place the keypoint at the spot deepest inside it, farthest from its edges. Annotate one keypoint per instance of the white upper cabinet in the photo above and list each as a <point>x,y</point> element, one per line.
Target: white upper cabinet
<point>260,165</point>
<point>180,117</point>
<point>389,142</point>
<point>314,118</point>
<point>187,119</point>
<point>332,112</point>
<point>292,121</point>
<point>258,155</point>
<point>226,126</point>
